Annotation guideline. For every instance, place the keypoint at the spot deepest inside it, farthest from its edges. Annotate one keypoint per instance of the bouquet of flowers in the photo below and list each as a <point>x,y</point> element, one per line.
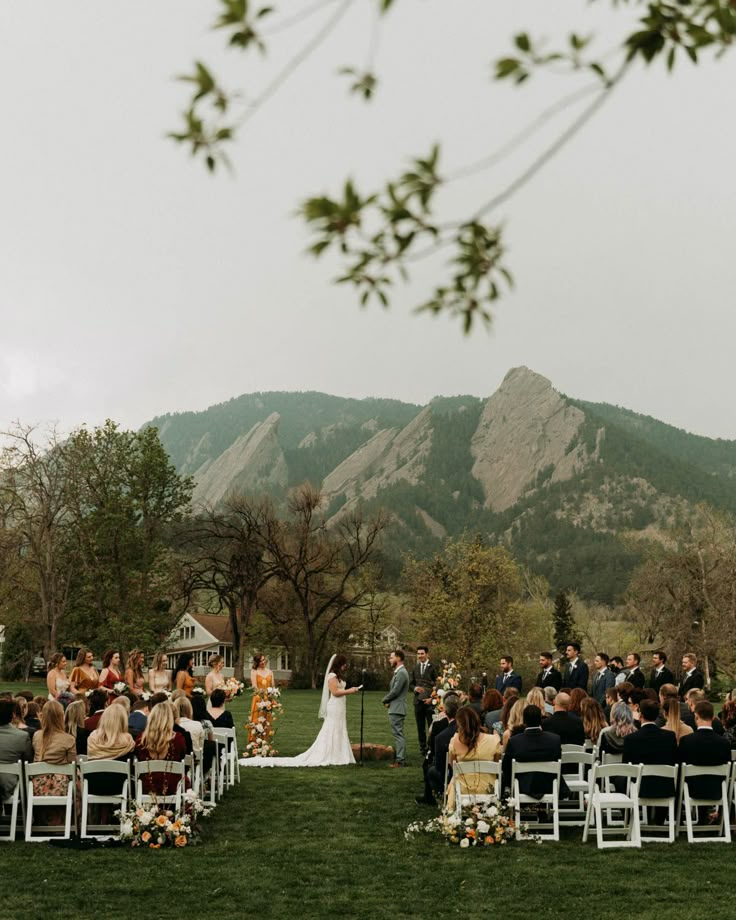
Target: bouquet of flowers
<point>233,687</point>
<point>200,691</point>
<point>448,679</point>
<point>269,701</point>
<point>119,687</point>
<point>261,745</point>
<point>485,824</point>
<point>154,827</point>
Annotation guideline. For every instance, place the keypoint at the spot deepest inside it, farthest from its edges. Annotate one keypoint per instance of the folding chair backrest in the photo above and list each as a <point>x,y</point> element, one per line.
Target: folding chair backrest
<point>582,757</point>
<point>13,769</point>
<point>43,769</point>
<point>663,770</point>
<point>689,769</point>
<point>546,766</point>
<point>573,748</point>
<point>476,766</point>
<point>88,767</point>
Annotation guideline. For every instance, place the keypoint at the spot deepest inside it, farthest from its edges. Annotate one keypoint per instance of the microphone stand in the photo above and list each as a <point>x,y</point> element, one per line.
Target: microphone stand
<point>362,710</point>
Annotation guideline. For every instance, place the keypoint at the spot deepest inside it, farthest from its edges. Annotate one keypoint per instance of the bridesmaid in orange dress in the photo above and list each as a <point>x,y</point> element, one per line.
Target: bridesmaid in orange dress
<point>261,677</point>
<point>183,677</point>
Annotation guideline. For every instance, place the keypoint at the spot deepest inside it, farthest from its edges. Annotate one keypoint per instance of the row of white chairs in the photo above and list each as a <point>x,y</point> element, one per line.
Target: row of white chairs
<point>223,773</point>
<point>613,809</point>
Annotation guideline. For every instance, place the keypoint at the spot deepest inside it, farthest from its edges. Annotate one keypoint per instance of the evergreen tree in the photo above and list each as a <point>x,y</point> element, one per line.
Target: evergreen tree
<point>564,620</point>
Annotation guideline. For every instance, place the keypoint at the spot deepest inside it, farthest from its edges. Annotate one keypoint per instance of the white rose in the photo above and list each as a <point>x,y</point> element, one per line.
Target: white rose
<point>483,828</point>
<point>465,842</point>
<point>493,811</point>
<point>440,693</point>
<point>469,822</point>
<point>126,829</point>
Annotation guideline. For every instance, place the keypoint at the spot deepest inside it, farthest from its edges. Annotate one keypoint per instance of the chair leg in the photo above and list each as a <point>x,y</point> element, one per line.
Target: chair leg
<point>588,815</point>
<point>599,824</point>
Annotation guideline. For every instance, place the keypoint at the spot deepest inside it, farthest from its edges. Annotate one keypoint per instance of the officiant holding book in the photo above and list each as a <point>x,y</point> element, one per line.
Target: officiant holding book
<point>423,678</point>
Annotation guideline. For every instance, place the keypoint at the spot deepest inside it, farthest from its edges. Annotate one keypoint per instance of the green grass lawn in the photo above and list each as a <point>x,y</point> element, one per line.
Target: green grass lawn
<point>329,842</point>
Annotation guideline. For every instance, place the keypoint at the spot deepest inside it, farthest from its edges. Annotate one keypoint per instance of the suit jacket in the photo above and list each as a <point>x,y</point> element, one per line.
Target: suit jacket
<point>441,747</point>
<point>435,730</point>
<point>513,680</point>
<point>531,746</point>
<point>688,717</point>
<point>652,745</point>
<point>637,678</point>
<point>426,681</point>
<point>553,679</point>
<point>15,744</point>
<point>396,696</point>
<point>601,683</point>
<point>696,681</point>
<point>706,749</point>
<point>656,681</point>
<point>576,676</point>
<point>567,726</point>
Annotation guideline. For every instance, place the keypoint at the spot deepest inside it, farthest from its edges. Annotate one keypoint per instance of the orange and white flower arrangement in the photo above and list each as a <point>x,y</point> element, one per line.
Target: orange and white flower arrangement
<point>483,825</point>
<point>153,826</point>
<point>447,681</point>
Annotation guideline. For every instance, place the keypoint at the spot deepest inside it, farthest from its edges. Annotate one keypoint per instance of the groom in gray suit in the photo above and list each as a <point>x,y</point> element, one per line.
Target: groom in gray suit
<point>395,702</point>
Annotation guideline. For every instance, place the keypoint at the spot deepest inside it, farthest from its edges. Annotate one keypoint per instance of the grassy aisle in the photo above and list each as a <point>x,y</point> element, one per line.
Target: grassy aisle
<point>329,842</point>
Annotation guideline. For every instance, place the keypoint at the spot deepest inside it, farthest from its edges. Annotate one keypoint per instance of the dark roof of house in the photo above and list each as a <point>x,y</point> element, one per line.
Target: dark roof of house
<point>217,624</point>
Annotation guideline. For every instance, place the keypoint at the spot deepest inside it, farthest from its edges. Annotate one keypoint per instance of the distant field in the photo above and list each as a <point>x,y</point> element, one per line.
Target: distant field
<point>319,843</point>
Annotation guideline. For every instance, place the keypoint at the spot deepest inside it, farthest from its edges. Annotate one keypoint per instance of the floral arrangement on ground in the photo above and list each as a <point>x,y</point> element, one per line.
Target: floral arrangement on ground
<point>484,824</point>
<point>154,826</point>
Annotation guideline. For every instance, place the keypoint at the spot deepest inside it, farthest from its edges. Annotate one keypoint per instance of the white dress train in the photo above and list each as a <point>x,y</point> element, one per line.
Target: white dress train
<point>331,747</point>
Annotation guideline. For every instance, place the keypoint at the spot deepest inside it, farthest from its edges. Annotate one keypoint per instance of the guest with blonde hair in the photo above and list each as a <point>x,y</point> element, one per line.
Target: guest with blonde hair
<point>673,722</point>
<point>134,672</point>
<point>74,717</point>
<point>214,680</point>
<point>515,722</point>
<point>111,739</point>
<point>159,675</point>
<point>184,717</point>
<point>535,697</point>
<point>52,745</point>
<point>159,741</point>
<point>121,701</point>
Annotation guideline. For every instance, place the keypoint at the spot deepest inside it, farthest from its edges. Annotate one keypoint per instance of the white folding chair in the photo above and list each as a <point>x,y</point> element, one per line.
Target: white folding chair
<point>600,799</point>
<point>222,740</point>
<point>703,833</point>
<point>648,832</point>
<point>233,766</point>
<point>67,801</point>
<point>172,767</point>
<point>572,811</point>
<point>120,800</point>
<point>15,800</point>
<point>550,800</point>
<point>486,768</point>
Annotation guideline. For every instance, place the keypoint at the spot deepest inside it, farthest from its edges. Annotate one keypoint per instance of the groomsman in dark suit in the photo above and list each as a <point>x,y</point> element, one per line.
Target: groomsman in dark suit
<point>636,675</point>
<point>692,678</point>
<point>548,676</point>
<point>603,678</point>
<point>706,749</point>
<point>423,678</point>
<point>661,674</point>
<point>576,670</point>
<point>507,678</point>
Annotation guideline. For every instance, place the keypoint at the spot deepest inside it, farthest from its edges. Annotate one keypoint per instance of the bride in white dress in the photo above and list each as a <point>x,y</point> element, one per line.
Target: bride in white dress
<point>331,746</point>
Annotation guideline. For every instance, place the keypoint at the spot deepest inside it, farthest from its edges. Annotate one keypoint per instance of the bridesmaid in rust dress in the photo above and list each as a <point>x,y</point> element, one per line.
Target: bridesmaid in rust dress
<point>85,676</point>
<point>110,674</point>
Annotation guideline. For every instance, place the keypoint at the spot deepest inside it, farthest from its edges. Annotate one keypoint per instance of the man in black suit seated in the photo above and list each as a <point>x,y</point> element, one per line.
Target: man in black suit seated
<point>507,678</point>
<point>692,678</point>
<point>691,701</point>
<point>705,749</point>
<point>533,745</point>
<point>566,725</point>
<point>439,743</point>
<point>576,670</point>
<point>652,745</point>
<point>548,675</point>
<point>661,674</point>
<point>636,675</point>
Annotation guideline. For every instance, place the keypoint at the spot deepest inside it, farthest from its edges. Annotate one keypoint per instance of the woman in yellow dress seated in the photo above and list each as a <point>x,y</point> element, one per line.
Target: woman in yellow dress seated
<point>471,743</point>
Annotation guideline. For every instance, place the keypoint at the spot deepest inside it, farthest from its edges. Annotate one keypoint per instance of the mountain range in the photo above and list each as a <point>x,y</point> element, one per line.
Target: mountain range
<point>577,489</point>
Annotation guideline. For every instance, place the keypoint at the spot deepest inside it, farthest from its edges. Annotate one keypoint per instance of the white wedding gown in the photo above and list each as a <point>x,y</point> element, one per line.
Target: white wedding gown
<point>331,747</point>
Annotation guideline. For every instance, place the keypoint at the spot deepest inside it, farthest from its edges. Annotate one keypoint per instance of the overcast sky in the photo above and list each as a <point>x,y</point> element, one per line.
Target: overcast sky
<point>132,283</point>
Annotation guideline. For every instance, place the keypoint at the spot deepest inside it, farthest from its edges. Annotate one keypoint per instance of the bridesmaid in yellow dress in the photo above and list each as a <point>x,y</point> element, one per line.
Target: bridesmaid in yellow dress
<point>261,676</point>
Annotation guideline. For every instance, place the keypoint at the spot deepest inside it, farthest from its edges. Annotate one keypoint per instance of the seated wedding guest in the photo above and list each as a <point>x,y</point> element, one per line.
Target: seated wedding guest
<point>214,680</point>
<point>15,744</point>
<point>611,700</point>
<point>652,745</point>
<point>26,694</point>
<point>84,675</point>
<point>508,705</point>
<point>672,719</point>
<point>97,702</point>
<point>611,739</point>
<point>515,721</point>
<point>435,729</point>
<point>562,722</point>
<point>728,720</point>
<point>692,698</point>
<point>199,714</point>
<point>123,701</point>
<point>219,716</point>
<point>492,708</point>
<point>470,743</point>
<point>704,748</point>
<point>134,672</point>
<point>159,741</point>
<point>475,699</point>
<point>52,745</point>
<point>180,694</point>
<point>635,697</point>
<point>159,676</point>
<point>535,697</point>
<point>184,717</point>
<point>511,693</point>
<point>32,718</point>
<point>183,676</point>
<point>58,683</point>
<point>437,771</point>
<point>532,745</point>
<point>111,672</point>
<point>74,719</point>
<point>40,701</point>
<point>624,691</point>
<point>138,717</point>
<point>593,719</point>
<point>158,699</point>
<point>577,695</point>
<point>549,700</point>
<point>19,712</point>
<point>109,741</point>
